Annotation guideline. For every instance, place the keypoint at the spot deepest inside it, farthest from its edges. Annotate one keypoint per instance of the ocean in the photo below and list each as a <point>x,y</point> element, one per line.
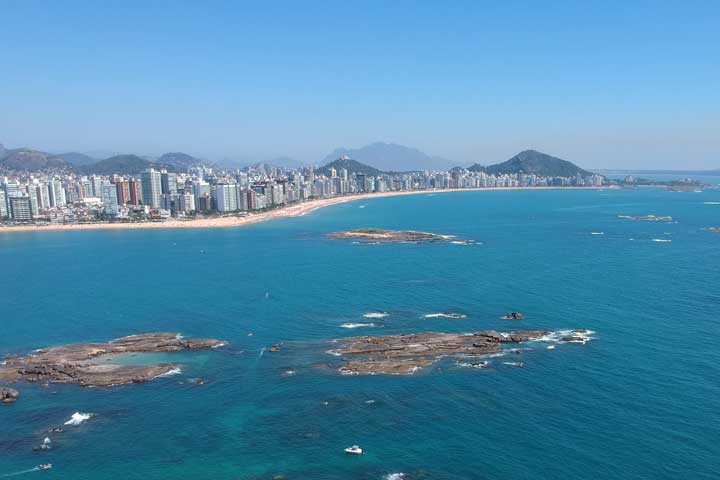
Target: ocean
<point>641,400</point>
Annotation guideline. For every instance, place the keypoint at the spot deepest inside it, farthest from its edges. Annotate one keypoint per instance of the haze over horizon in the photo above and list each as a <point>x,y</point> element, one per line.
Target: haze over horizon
<point>605,85</point>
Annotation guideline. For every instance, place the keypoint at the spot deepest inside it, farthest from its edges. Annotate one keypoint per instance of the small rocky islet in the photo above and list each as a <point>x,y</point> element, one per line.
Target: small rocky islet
<point>405,354</point>
<point>379,235</point>
<point>78,363</point>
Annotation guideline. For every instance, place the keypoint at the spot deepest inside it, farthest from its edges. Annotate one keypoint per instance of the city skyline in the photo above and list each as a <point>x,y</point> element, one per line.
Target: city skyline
<point>608,86</point>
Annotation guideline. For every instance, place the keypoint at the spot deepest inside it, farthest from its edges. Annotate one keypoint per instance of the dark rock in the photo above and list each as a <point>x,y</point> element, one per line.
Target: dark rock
<point>8,395</point>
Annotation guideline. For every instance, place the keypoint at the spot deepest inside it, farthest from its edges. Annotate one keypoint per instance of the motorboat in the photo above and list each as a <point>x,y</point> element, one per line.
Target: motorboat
<point>44,466</point>
<point>354,450</point>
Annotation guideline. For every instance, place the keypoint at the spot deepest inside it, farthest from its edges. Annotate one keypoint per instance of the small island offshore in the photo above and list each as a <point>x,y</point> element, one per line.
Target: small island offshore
<point>81,363</point>
<point>379,235</point>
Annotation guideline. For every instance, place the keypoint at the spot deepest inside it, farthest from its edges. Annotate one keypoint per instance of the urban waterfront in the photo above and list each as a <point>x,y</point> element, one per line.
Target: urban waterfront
<point>640,398</point>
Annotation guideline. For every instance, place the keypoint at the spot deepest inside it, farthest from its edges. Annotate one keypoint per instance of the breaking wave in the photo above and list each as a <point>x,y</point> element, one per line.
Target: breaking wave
<point>445,315</point>
<point>77,418</point>
<point>358,325</point>
<point>376,315</point>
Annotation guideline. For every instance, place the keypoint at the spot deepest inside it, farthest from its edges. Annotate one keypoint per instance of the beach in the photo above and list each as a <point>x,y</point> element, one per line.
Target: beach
<point>239,220</point>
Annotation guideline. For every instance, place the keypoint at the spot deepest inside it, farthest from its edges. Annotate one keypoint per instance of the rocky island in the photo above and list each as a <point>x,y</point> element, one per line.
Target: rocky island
<point>79,363</point>
<point>408,353</point>
<point>379,235</point>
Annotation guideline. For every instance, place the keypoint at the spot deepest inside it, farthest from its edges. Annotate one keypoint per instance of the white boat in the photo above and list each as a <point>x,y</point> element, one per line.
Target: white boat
<point>355,450</point>
<point>44,466</point>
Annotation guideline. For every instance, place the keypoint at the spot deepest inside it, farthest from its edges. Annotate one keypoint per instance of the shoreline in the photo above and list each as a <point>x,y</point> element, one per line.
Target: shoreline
<point>295,210</point>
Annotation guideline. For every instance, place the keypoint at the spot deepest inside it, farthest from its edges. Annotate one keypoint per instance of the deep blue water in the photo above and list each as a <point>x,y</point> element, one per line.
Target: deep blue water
<point>640,401</point>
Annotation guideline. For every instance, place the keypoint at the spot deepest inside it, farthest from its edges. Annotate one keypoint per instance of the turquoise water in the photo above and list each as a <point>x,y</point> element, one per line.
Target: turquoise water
<point>640,401</point>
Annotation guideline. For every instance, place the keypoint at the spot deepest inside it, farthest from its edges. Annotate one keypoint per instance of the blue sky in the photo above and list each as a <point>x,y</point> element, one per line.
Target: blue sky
<point>605,84</point>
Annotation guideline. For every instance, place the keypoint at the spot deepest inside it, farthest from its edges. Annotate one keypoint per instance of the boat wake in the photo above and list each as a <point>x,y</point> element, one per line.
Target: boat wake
<point>22,472</point>
<point>394,476</point>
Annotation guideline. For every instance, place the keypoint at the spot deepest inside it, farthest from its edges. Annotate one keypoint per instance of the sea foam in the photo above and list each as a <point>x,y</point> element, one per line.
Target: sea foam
<point>77,418</point>
<point>376,315</point>
<point>444,315</point>
<point>358,325</point>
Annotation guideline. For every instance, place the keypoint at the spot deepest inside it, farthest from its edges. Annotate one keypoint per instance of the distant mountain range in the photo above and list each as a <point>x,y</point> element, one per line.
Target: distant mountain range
<point>528,161</point>
<point>391,157</point>
<point>533,162</point>
<point>29,160</point>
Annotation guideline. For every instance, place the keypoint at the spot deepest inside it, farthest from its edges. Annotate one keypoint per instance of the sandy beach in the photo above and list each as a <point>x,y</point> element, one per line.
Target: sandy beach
<point>294,210</point>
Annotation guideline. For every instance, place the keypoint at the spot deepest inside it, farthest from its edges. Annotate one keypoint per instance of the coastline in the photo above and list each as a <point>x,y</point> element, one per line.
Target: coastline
<point>295,210</point>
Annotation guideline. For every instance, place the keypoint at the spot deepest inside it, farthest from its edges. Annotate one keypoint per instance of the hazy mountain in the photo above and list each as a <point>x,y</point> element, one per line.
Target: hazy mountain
<point>28,160</point>
<point>390,157</point>
<point>352,166</point>
<point>120,164</point>
<point>76,158</point>
<point>532,161</point>
<point>179,160</point>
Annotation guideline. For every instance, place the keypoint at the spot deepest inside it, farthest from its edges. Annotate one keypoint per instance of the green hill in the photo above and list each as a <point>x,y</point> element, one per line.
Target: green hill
<point>352,166</point>
<point>532,161</point>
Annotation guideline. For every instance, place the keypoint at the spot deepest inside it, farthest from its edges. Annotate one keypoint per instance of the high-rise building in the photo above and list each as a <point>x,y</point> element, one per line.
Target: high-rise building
<point>186,202</point>
<point>21,209</point>
<point>43,196</point>
<point>151,188</point>
<point>226,197</point>
<point>135,186</point>
<point>168,182</point>
<point>4,208</point>
<point>57,193</point>
<point>109,198</point>
<point>122,188</point>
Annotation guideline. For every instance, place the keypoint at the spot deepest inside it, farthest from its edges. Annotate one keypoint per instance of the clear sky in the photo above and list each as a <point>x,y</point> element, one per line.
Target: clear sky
<point>605,84</point>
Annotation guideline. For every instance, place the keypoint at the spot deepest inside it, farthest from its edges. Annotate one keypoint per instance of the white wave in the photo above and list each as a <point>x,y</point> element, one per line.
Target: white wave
<point>661,240</point>
<point>711,203</point>
<point>482,364</point>
<point>334,353</point>
<point>514,364</point>
<point>174,371</point>
<point>551,347</point>
<point>376,315</point>
<point>357,325</point>
<point>597,233</point>
<point>394,476</point>
<point>445,315</point>
<point>77,418</point>
<point>362,206</point>
<point>582,335</point>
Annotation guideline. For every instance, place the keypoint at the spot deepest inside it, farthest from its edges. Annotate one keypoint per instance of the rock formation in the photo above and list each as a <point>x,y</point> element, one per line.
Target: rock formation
<point>78,363</point>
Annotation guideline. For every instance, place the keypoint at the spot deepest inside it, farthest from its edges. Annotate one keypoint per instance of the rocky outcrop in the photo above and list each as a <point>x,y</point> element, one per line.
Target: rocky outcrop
<point>78,363</point>
<point>513,316</point>
<point>406,354</point>
<point>378,235</point>
<point>8,395</point>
